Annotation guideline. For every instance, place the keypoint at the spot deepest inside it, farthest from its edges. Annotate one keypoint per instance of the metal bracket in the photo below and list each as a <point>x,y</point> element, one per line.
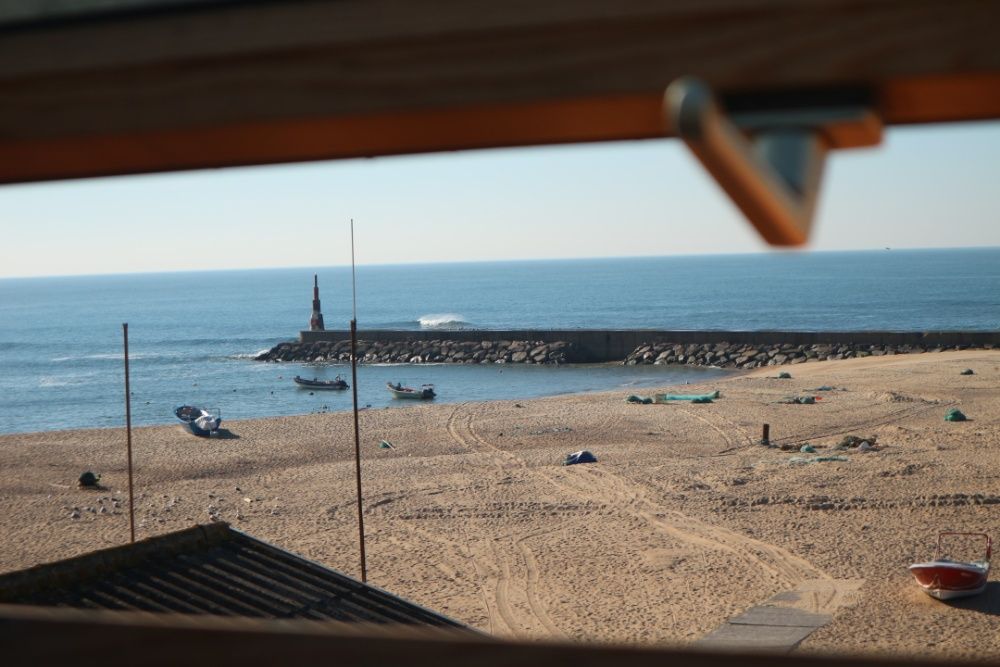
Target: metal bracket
<point>770,162</point>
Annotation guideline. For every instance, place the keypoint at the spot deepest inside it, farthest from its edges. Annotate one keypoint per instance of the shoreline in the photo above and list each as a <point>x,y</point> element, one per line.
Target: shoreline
<point>471,513</point>
<point>268,391</point>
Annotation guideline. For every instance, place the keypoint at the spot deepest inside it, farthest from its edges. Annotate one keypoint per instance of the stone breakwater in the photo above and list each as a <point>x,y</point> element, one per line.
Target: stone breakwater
<point>720,355</point>
<point>747,355</point>
<point>428,351</point>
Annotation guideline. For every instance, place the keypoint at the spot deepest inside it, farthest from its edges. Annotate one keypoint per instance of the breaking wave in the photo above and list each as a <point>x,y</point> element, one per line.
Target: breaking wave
<point>117,356</point>
<point>249,355</point>
<point>443,321</point>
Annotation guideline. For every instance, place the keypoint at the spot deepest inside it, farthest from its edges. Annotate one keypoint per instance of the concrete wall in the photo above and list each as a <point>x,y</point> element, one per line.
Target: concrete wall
<point>615,345</point>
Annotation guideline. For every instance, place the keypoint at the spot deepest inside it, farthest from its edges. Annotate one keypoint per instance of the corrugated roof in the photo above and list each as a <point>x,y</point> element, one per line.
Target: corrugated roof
<point>211,569</point>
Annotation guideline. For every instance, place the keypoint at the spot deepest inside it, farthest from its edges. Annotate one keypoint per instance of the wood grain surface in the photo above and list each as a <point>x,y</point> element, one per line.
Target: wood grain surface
<point>262,82</point>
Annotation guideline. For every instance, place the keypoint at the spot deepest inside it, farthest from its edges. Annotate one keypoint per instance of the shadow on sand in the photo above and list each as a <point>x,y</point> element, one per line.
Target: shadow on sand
<point>987,602</point>
<point>225,434</point>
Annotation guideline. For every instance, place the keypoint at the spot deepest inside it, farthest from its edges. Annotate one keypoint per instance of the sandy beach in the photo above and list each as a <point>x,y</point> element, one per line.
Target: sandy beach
<point>684,522</point>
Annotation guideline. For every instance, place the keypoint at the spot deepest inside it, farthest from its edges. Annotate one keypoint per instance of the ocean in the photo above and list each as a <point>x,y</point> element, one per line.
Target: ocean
<point>192,336</point>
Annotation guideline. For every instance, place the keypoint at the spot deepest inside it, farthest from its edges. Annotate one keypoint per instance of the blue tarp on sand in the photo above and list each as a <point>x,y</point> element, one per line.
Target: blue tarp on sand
<point>701,398</point>
<point>582,456</point>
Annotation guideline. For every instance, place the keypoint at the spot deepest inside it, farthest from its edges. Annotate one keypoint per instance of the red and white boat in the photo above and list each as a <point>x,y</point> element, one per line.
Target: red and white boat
<point>947,579</point>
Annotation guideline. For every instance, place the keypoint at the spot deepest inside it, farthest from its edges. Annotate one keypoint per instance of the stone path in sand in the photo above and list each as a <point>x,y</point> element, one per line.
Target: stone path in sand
<point>781,623</point>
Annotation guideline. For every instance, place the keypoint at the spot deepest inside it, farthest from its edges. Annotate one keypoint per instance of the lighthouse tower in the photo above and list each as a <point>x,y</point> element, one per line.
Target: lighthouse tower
<point>316,321</point>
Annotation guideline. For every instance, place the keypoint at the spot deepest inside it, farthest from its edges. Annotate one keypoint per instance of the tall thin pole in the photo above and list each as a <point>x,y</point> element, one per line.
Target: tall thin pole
<point>128,440</point>
<point>354,387</point>
<point>354,291</point>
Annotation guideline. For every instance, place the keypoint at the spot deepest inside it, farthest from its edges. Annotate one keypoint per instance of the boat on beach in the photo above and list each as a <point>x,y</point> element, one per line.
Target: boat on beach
<point>947,579</point>
<point>425,392</point>
<point>199,421</point>
<point>315,383</point>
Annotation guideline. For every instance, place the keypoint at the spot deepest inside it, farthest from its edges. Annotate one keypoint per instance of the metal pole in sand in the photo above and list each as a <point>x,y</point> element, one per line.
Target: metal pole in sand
<point>128,439</point>
<point>354,387</point>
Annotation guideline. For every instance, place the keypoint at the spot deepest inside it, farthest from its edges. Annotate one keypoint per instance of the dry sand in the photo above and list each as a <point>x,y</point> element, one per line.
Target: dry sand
<point>684,522</point>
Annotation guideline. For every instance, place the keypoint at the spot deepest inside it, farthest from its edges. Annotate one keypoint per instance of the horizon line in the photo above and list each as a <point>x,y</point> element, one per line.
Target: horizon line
<point>312,267</point>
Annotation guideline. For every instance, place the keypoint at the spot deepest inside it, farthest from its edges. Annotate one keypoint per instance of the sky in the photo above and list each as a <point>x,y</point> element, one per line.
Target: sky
<point>923,187</point>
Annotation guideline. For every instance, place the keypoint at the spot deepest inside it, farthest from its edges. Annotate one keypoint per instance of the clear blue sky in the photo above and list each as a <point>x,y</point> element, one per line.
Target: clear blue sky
<point>923,187</point>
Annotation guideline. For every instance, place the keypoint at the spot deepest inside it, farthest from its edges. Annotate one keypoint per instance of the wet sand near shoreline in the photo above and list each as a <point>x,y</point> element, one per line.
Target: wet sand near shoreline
<point>684,522</point>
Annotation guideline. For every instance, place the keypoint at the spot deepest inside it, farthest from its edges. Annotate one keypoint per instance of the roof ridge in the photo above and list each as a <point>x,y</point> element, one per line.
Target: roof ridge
<point>95,564</point>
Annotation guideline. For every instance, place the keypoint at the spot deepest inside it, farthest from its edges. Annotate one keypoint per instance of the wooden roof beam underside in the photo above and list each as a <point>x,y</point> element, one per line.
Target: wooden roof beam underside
<point>130,638</point>
<point>268,81</point>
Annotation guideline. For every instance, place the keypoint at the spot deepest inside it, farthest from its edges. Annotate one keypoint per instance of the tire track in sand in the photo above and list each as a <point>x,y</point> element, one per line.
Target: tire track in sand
<point>462,554</point>
<point>730,445</point>
<point>531,589</point>
<point>602,485</point>
<point>605,485</point>
<point>492,585</point>
<point>517,572</point>
<point>613,489</point>
<point>781,564</point>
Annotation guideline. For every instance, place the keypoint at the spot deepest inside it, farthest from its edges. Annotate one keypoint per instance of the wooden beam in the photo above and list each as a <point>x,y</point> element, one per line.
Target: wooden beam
<point>264,81</point>
<point>60,636</point>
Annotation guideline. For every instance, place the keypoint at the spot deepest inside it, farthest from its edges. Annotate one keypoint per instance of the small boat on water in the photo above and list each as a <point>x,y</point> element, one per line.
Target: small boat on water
<point>199,421</point>
<point>336,383</point>
<point>426,391</point>
<point>947,579</point>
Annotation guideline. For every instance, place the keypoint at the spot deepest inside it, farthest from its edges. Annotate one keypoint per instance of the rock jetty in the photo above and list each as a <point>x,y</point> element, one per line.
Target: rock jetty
<point>747,355</point>
<point>719,355</point>
<point>428,351</point>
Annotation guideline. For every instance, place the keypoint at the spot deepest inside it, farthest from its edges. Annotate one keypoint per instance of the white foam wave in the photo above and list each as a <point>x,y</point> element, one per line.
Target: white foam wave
<point>390,364</point>
<point>116,356</point>
<point>52,382</point>
<point>90,357</point>
<point>442,321</point>
<point>249,355</point>
<point>93,357</point>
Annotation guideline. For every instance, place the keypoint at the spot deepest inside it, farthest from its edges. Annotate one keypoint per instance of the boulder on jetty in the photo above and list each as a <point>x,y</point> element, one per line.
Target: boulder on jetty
<point>657,351</point>
<point>753,355</point>
<point>428,351</point>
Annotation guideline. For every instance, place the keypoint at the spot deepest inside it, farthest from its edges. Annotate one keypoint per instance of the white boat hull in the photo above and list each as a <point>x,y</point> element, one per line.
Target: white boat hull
<point>945,594</point>
<point>949,580</point>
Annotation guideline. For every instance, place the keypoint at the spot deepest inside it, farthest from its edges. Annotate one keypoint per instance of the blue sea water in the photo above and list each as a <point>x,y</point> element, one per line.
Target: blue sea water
<point>192,335</point>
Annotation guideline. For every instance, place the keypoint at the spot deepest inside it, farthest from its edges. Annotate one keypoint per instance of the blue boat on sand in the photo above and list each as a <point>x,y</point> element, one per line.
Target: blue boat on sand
<point>199,421</point>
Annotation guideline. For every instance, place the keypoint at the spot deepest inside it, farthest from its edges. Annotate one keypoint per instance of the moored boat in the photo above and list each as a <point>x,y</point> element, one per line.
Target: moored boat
<point>199,421</point>
<point>947,579</point>
<point>315,383</point>
<point>426,391</point>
